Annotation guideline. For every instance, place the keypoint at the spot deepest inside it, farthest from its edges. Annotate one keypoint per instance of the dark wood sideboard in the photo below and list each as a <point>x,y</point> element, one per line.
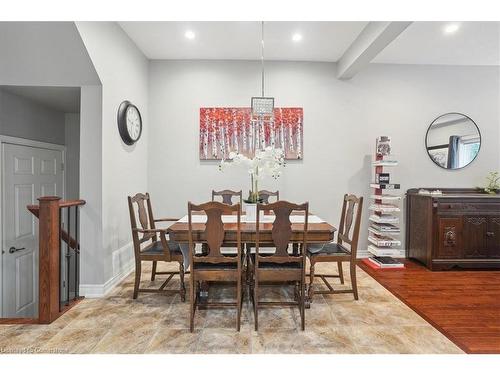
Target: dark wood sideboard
<point>459,228</point>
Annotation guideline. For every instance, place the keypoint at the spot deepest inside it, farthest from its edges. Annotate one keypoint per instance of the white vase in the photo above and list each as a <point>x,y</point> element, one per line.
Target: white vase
<point>251,211</point>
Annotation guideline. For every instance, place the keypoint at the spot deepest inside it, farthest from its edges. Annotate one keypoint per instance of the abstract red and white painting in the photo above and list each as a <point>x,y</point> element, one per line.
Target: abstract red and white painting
<point>223,130</point>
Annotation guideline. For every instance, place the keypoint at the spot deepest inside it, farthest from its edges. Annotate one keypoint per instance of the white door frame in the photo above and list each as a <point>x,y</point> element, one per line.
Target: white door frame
<point>5,139</point>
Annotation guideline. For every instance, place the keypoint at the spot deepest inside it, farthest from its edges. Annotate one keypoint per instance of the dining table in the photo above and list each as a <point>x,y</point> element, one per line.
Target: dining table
<point>318,231</point>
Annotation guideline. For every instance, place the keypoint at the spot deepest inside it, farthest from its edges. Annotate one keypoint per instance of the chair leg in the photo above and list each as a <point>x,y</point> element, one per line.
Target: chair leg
<point>303,303</point>
<point>354,282</point>
<point>192,301</point>
<point>238,314</point>
<point>153,271</point>
<point>183,286</point>
<point>137,278</point>
<point>341,272</point>
<point>256,302</point>
<point>310,291</point>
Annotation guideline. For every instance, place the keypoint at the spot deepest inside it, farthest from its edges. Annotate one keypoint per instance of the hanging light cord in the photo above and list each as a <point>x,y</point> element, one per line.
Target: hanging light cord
<point>262,57</point>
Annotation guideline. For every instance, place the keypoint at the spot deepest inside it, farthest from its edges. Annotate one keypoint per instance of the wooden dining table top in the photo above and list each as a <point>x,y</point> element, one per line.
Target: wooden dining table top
<point>317,232</point>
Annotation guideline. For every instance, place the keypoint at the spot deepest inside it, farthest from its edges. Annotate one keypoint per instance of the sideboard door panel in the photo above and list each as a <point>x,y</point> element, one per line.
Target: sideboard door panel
<point>450,238</point>
<point>494,237</point>
<point>475,237</point>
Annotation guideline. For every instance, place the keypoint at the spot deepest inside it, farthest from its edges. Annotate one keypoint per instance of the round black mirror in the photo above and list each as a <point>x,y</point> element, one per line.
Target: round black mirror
<point>453,141</point>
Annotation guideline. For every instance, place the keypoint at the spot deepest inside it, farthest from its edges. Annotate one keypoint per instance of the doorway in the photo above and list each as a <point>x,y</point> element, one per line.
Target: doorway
<point>29,170</point>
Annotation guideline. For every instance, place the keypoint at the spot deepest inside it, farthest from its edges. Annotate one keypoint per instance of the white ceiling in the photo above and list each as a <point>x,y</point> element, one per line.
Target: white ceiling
<point>322,41</point>
<point>475,43</point>
<point>62,99</point>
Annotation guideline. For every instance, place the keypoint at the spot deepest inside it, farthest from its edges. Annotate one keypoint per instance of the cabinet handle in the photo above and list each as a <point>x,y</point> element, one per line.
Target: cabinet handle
<point>490,234</point>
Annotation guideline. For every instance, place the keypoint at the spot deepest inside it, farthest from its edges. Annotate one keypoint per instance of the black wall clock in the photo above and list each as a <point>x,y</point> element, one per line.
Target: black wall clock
<point>129,122</point>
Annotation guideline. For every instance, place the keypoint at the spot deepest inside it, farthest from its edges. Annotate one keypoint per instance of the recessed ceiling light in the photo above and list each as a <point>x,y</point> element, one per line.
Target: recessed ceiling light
<point>451,28</point>
<point>297,37</point>
<point>190,34</point>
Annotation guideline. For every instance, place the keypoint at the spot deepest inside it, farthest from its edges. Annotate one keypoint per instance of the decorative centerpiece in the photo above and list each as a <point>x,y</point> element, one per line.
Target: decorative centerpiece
<point>267,162</point>
<point>493,183</point>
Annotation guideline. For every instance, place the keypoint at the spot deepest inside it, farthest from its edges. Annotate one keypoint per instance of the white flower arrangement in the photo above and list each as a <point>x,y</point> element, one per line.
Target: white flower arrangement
<point>267,162</point>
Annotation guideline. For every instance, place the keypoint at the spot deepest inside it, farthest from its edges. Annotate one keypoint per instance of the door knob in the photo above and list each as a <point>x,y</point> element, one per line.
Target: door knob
<point>13,249</point>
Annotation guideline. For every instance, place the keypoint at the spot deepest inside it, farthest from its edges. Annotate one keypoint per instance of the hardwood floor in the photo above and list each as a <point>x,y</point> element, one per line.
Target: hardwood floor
<point>463,305</point>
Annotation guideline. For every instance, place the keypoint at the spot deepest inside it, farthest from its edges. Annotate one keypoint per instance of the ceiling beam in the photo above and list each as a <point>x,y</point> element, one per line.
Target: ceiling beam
<point>369,43</point>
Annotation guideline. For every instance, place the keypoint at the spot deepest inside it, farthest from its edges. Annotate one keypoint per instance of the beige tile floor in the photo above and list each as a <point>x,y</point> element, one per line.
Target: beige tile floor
<point>377,323</point>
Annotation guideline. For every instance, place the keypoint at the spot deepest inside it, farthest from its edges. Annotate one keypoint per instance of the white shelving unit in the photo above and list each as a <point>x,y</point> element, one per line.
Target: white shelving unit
<point>384,231</point>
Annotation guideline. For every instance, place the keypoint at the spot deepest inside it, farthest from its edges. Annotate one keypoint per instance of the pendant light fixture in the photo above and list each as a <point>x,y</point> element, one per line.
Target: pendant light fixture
<point>262,106</point>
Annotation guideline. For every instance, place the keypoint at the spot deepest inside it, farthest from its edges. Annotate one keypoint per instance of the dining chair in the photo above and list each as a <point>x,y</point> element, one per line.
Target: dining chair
<point>227,196</point>
<point>212,265</point>
<point>159,249</point>
<point>344,250</point>
<point>264,195</point>
<point>279,266</point>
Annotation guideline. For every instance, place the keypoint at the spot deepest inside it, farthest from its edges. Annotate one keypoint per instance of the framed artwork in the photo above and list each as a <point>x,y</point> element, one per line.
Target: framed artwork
<point>223,130</point>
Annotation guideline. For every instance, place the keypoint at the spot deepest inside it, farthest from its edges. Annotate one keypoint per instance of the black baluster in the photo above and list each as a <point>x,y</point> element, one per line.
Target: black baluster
<point>68,256</point>
<point>77,256</point>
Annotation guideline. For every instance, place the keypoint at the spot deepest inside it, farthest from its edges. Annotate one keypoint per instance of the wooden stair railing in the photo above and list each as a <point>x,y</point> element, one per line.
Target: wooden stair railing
<point>34,209</point>
<point>51,235</point>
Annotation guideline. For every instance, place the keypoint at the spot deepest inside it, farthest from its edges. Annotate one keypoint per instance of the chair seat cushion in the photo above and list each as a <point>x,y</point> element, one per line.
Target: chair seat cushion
<point>156,248</point>
<point>330,248</point>
<point>215,266</point>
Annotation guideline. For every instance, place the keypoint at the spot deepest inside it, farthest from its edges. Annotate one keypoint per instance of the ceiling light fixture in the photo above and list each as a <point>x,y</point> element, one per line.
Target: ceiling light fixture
<point>451,28</point>
<point>262,106</point>
<point>190,35</point>
<point>297,37</point>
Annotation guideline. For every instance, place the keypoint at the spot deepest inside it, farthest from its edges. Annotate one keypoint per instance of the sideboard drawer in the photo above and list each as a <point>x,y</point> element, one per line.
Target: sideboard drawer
<point>468,206</point>
<point>450,206</point>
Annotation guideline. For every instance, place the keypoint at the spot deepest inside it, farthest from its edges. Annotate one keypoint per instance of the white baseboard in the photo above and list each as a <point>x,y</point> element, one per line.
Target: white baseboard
<point>361,254</point>
<point>123,265</point>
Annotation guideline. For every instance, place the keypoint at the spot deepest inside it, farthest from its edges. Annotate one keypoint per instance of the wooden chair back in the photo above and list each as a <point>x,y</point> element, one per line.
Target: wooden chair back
<point>227,196</point>
<point>264,195</point>
<point>214,233</point>
<point>281,232</point>
<point>351,214</point>
<point>142,202</point>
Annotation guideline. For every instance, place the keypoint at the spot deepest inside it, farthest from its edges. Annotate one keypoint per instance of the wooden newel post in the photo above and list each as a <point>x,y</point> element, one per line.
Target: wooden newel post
<point>49,259</point>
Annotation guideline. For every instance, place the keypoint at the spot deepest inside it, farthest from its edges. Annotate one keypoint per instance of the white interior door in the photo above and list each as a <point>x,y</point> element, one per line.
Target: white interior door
<point>28,173</point>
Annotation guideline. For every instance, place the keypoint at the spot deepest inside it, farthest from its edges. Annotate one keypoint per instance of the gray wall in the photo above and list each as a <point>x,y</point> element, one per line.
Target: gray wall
<point>44,54</point>
<point>123,71</point>
<point>341,122</point>
<point>24,118</point>
<point>72,142</point>
<point>92,266</point>
<point>53,54</point>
